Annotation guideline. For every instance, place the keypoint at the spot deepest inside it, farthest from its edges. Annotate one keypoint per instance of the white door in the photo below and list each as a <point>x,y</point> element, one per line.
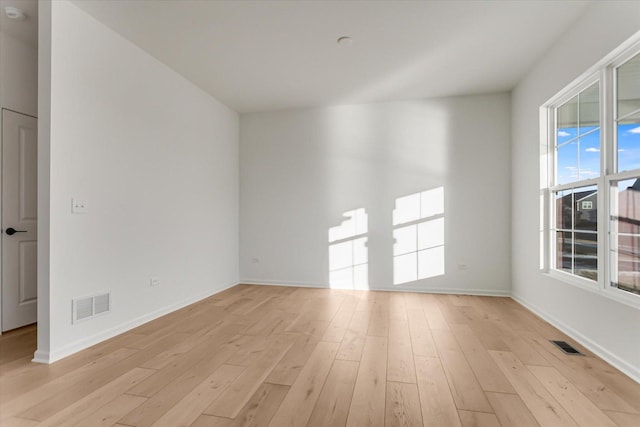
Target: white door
<point>19,214</point>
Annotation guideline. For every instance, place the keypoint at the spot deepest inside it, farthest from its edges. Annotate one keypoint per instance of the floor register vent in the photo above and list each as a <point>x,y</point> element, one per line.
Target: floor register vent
<point>91,306</point>
<point>566,347</point>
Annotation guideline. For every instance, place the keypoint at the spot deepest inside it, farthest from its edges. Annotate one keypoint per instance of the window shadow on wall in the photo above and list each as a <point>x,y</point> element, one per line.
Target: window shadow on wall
<point>418,233</point>
<point>348,253</point>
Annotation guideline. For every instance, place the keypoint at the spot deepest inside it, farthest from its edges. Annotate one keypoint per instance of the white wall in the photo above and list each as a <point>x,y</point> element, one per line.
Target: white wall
<point>607,327</point>
<point>302,169</point>
<point>157,161</point>
<point>18,75</point>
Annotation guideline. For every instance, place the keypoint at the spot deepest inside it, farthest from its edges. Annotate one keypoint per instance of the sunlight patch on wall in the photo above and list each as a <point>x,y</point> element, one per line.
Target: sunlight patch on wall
<point>418,250</point>
<point>348,253</point>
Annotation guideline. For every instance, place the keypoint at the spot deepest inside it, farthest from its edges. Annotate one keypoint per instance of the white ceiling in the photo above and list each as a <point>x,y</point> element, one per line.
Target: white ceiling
<point>25,30</point>
<point>269,55</point>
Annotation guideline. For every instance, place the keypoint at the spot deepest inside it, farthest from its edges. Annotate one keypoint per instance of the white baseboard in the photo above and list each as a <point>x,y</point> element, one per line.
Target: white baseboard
<point>454,291</point>
<point>41,357</point>
<point>53,356</point>
<point>259,282</point>
<point>458,291</point>
<point>282,283</point>
<point>628,369</point>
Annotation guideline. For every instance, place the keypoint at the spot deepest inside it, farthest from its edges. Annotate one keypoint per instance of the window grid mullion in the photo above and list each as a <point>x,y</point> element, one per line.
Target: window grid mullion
<point>571,230</point>
<point>608,165</point>
<point>597,128</point>
<point>579,135</point>
<point>573,225</point>
<point>576,184</point>
<point>633,113</point>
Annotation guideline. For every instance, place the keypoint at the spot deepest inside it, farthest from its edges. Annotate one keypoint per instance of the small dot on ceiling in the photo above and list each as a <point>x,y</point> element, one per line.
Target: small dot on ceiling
<point>344,40</point>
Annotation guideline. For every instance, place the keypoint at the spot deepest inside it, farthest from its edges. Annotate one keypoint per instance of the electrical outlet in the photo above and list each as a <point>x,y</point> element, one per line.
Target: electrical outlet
<point>154,281</point>
<point>79,206</point>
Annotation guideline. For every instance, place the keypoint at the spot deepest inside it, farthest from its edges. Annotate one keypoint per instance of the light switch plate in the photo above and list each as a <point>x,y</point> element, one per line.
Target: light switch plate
<point>79,206</point>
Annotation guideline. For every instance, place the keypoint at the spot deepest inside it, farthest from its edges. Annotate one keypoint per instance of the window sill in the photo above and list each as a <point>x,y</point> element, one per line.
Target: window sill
<point>614,294</point>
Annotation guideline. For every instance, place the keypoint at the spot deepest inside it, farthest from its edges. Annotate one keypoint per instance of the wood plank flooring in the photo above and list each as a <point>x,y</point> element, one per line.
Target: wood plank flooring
<point>282,356</point>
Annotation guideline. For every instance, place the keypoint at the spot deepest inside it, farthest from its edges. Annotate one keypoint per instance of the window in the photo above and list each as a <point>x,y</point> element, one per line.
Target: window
<point>577,164</point>
<point>592,195</point>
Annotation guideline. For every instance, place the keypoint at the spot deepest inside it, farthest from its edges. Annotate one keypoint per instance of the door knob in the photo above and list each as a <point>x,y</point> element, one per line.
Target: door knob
<point>11,231</point>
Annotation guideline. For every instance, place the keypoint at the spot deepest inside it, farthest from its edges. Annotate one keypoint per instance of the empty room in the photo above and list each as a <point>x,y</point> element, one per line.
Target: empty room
<point>320,213</point>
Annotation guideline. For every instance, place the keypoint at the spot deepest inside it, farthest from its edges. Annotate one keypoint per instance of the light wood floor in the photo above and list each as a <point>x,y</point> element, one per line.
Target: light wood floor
<point>276,356</point>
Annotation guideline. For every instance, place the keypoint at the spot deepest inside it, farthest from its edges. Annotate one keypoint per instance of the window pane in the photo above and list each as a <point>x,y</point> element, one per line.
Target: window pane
<point>586,255</point>
<point>625,206</point>
<point>585,212</point>
<point>564,210</point>
<point>628,90</point>
<point>628,133</point>
<point>628,263</point>
<point>589,161</point>
<point>578,137</point>
<point>628,114</point>
<point>625,234</point>
<point>631,122</point>
<point>567,121</point>
<point>589,109</point>
<point>564,251</point>
<point>567,163</point>
<point>565,134</point>
<point>589,129</point>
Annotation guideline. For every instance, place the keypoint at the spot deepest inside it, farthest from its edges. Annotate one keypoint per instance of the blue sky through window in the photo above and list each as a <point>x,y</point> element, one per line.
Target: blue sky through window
<point>579,157</point>
<point>628,147</point>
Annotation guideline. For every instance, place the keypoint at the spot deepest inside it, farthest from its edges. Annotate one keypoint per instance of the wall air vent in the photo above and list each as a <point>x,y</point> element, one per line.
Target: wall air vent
<point>91,306</point>
<point>566,348</point>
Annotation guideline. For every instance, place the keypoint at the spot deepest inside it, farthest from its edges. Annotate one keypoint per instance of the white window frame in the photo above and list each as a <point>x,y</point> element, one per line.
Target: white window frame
<point>603,72</point>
